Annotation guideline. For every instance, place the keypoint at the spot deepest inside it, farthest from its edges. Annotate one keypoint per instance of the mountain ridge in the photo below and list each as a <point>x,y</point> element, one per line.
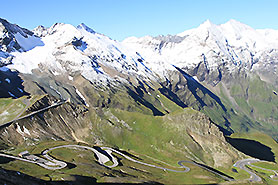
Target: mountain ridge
<point>204,55</point>
<point>239,43</point>
<point>68,48</point>
<point>169,97</point>
<point>228,46</point>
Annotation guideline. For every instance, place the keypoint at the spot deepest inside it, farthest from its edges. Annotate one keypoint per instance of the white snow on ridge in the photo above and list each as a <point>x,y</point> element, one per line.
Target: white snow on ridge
<point>27,61</point>
<point>5,58</point>
<point>18,129</point>
<point>26,131</point>
<point>232,42</point>
<point>196,78</point>
<point>67,49</point>
<point>269,34</point>
<point>70,78</point>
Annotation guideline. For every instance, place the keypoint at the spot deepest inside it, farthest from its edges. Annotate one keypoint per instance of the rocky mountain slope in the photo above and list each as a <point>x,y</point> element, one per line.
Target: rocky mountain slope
<point>169,97</point>
<point>210,47</point>
<point>64,48</point>
<point>233,60</point>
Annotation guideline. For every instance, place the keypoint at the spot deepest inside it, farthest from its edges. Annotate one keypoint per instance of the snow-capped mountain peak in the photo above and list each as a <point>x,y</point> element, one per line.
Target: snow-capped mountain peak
<point>66,49</point>
<point>40,31</point>
<point>204,27</point>
<point>207,24</point>
<point>237,25</point>
<point>233,44</point>
<point>13,28</point>
<point>15,38</point>
<point>85,27</point>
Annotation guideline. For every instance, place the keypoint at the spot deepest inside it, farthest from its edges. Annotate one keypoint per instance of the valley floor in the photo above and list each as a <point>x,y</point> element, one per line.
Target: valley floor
<point>55,159</point>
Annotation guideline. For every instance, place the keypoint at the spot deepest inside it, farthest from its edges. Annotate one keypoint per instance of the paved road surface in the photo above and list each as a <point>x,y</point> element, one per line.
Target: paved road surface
<point>242,165</point>
<point>101,155</point>
<point>104,154</point>
<point>274,171</point>
<point>56,166</point>
<point>213,171</point>
<point>27,104</point>
<point>33,113</point>
<point>186,169</point>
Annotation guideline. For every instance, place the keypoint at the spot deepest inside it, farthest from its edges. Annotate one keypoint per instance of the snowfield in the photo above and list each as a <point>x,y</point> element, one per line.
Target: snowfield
<point>65,49</point>
<point>233,43</point>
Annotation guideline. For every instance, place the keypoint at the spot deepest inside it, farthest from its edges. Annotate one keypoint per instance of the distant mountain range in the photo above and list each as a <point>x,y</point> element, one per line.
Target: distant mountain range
<point>184,93</point>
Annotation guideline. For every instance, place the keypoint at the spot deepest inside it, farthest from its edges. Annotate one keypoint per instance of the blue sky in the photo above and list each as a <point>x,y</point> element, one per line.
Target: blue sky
<point>119,19</point>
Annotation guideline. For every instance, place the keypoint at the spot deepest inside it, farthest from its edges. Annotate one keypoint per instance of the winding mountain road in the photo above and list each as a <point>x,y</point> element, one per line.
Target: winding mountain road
<point>274,171</point>
<point>186,169</point>
<point>104,155</point>
<point>242,165</point>
<point>48,165</point>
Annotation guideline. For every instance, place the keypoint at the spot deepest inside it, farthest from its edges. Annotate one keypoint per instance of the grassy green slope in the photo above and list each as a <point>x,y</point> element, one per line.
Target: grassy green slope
<point>87,166</point>
<point>253,104</point>
<point>13,108</point>
<point>269,142</point>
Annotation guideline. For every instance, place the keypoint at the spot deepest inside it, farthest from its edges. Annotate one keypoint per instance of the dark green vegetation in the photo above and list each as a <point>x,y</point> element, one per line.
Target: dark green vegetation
<point>125,122</point>
<point>11,109</point>
<point>256,167</point>
<point>159,123</point>
<point>254,101</point>
<point>88,169</point>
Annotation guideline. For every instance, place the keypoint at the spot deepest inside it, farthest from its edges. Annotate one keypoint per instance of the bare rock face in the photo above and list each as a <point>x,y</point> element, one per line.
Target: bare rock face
<point>101,75</point>
<point>65,122</point>
<point>207,136</point>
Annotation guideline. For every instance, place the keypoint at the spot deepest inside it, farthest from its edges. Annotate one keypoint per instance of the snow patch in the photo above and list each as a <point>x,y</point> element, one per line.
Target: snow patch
<point>18,129</point>
<point>26,131</point>
<point>55,73</point>
<point>70,78</point>
<point>81,96</point>
<point>11,94</point>
<point>196,78</point>
<point>8,80</point>
<point>20,90</point>
<point>5,57</point>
